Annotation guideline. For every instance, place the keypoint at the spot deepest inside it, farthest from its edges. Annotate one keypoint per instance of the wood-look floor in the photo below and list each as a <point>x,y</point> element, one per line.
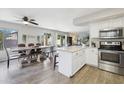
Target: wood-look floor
<point>43,73</point>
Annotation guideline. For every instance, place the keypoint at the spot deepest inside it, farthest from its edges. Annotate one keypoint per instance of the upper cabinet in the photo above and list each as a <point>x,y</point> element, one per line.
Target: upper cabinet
<point>94,31</point>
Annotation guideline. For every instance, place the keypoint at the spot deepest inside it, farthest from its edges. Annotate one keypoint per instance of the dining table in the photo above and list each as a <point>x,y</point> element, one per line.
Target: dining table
<point>27,49</point>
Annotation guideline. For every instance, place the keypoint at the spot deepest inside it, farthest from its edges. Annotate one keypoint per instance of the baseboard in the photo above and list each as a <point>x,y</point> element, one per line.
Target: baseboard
<point>92,65</point>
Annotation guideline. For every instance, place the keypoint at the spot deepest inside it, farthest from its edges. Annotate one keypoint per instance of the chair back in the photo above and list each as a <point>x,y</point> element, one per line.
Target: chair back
<point>33,50</point>
<point>38,44</point>
<point>30,44</point>
<point>38,50</point>
<point>21,45</point>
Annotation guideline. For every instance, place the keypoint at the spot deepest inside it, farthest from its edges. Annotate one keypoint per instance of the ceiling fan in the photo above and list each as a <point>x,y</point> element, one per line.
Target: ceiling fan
<point>27,20</point>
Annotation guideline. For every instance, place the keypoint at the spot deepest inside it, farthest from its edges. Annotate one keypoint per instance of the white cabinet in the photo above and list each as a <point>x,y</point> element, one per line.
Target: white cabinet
<point>92,56</point>
<point>71,62</point>
<point>77,60</point>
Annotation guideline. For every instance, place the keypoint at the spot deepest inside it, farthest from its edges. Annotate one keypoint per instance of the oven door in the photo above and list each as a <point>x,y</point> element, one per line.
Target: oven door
<point>109,57</point>
<point>121,59</point>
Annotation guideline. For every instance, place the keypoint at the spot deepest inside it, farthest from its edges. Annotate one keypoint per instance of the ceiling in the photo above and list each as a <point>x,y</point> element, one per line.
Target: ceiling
<point>52,18</point>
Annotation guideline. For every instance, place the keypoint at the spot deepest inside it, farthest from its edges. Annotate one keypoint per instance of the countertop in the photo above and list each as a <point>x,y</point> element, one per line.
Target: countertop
<point>71,49</point>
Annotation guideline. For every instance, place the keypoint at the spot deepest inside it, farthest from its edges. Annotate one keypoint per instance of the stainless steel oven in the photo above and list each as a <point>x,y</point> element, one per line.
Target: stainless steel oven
<point>111,57</point>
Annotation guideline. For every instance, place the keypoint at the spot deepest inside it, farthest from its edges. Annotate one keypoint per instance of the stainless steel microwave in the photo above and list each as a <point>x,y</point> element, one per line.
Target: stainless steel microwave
<point>111,33</point>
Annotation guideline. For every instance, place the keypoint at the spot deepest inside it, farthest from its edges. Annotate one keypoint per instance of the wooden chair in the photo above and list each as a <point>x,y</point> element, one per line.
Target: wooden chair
<point>38,51</point>
<point>22,54</point>
<point>32,54</point>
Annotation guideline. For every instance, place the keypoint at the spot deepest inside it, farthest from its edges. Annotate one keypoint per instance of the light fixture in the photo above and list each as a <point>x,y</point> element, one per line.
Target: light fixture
<point>25,22</point>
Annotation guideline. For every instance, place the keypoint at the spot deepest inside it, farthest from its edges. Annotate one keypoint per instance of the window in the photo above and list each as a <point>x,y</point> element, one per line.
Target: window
<point>42,40</point>
<point>48,38</point>
<point>8,37</point>
<point>38,39</point>
<point>11,40</point>
<point>60,40</point>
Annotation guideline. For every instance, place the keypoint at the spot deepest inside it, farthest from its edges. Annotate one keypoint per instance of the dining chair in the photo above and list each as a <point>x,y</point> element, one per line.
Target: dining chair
<point>32,53</point>
<point>38,50</point>
<point>22,53</point>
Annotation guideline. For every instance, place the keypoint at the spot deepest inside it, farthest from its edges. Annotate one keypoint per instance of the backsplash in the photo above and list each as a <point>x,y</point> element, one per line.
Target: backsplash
<point>97,40</point>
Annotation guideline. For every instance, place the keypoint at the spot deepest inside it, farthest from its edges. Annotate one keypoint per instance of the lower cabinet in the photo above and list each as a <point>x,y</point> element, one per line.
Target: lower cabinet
<point>92,56</point>
<point>71,62</point>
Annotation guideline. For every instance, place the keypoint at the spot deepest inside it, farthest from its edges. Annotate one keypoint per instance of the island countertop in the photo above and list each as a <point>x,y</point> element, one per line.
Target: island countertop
<point>71,49</point>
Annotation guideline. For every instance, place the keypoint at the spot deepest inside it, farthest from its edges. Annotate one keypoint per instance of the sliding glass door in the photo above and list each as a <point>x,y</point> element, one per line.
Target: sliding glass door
<point>11,40</point>
<point>8,39</point>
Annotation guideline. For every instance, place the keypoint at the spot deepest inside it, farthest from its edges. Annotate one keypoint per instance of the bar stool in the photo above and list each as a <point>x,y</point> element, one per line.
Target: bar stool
<point>49,52</point>
<point>55,61</point>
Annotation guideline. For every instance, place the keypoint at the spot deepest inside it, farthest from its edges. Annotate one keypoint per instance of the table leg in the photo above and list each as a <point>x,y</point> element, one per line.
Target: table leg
<point>38,57</point>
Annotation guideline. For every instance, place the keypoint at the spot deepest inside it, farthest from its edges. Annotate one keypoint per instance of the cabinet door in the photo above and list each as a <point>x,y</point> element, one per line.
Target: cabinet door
<point>92,56</point>
<point>75,65</point>
<point>78,60</point>
<point>75,62</point>
<point>82,57</point>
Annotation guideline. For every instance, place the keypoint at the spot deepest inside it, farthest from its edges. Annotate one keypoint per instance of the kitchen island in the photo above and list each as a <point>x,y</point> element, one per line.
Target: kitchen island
<point>71,59</point>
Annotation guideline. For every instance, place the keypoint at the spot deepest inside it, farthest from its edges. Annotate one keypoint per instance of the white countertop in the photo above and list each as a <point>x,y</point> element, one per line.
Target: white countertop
<point>71,48</point>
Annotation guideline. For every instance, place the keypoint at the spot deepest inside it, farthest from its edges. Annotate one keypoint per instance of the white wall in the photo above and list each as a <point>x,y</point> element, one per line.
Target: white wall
<point>28,30</point>
<point>104,14</point>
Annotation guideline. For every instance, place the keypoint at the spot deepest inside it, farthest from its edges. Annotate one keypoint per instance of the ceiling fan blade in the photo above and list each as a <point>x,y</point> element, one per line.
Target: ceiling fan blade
<point>33,23</point>
<point>32,20</point>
